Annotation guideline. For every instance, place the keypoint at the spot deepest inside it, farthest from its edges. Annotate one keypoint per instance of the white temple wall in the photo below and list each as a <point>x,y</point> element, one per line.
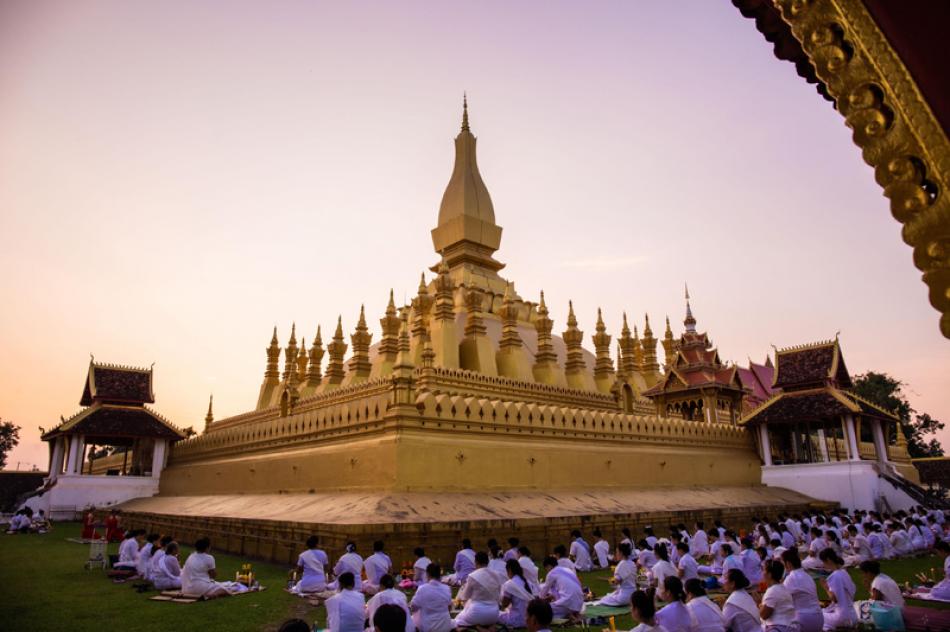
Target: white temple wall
<point>852,484</point>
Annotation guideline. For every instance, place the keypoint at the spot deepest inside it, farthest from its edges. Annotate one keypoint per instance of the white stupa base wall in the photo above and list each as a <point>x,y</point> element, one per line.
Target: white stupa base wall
<point>75,493</point>
<point>852,484</point>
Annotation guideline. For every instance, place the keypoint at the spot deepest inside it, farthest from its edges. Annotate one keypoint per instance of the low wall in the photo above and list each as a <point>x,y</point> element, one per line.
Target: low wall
<point>282,540</point>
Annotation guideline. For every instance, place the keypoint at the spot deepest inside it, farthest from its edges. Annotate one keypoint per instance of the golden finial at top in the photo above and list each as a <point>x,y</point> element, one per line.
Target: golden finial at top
<point>464,112</point>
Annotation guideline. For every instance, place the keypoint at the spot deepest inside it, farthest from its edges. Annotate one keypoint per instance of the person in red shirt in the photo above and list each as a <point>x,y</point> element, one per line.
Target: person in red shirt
<point>89,525</point>
<point>114,531</point>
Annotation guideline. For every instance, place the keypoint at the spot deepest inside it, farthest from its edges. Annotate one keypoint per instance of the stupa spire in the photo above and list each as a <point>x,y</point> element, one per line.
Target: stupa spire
<point>209,418</point>
<point>465,112</point>
<point>511,357</point>
<point>575,367</point>
<point>360,366</point>
<point>336,349</point>
<point>316,357</point>
<point>668,344</point>
<point>603,366</point>
<point>290,354</point>
<point>627,345</point>
<point>690,321</point>
<point>467,232</point>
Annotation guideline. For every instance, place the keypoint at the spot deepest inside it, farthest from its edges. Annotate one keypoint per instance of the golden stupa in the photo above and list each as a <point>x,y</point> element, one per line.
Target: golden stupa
<point>468,416</point>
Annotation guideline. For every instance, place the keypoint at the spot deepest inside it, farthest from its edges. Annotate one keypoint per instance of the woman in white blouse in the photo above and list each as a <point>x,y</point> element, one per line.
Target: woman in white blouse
<point>777,608</point>
<point>804,593</point>
<point>840,588</point>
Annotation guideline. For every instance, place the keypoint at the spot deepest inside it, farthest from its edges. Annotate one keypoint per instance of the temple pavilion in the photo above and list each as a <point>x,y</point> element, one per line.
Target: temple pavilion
<point>114,414</point>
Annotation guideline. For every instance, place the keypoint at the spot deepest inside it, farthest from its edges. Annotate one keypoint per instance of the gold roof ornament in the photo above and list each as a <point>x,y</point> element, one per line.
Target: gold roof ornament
<point>336,349</point>
<point>360,367</point>
<point>209,418</point>
<point>603,365</point>
<point>316,358</point>
<point>689,321</point>
<point>467,232</point>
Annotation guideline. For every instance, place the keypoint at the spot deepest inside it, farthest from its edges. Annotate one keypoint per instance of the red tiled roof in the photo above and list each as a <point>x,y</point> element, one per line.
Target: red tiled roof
<point>809,366</point>
<point>115,384</point>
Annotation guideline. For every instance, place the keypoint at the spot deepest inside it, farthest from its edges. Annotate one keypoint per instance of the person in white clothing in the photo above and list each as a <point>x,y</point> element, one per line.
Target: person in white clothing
<point>497,564</point>
<point>563,559</point>
<point>512,552</point>
<point>601,549</point>
<point>625,579</point>
<point>686,568</point>
<point>129,550</point>
<point>663,567</point>
<point>580,553</point>
<point>311,568</point>
<point>751,563</point>
<point>740,612</point>
<point>699,543</point>
<point>199,573</point>
<point>145,555</point>
<point>388,595</point>
<point>706,614</point>
<point>515,596</point>
<point>349,562</point>
<point>346,610</point>
<point>375,566</point>
<point>563,589</point>
<point>530,569</point>
<point>431,603</point>
<point>464,564</point>
<point>167,575</point>
<point>804,593</point>
<point>158,552</point>
<point>880,586</point>
<point>420,565</point>
<point>643,611</point>
<point>860,548</point>
<point>777,608</point>
<point>674,616</point>
<point>480,594</point>
<point>838,585</point>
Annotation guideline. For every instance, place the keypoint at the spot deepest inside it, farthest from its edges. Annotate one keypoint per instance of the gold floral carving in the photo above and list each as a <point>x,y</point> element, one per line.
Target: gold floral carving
<point>898,134</point>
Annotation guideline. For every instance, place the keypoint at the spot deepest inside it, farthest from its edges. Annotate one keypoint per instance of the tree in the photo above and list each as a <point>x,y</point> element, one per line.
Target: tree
<point>885,391</point>
<point>9,438</point>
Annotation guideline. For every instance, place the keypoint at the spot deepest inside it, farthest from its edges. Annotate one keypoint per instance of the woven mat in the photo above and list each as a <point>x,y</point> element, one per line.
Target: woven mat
<point>591,611</point>
<point>173,596</point>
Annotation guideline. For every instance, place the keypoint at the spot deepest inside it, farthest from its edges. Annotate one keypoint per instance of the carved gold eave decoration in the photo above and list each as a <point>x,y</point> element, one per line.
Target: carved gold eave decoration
<point>897,132</point>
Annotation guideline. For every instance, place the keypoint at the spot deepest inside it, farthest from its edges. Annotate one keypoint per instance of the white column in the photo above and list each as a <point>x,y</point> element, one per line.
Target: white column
<point>852,438</point>
<point>766,444</point>
<point>158,457</point>
<point>823,445</point>
<point>56,461</point>
<point>74,459</point>
<point>880,444</point>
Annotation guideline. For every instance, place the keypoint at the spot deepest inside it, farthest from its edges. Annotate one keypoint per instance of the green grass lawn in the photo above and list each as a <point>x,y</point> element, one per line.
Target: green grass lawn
<point>43,587</point>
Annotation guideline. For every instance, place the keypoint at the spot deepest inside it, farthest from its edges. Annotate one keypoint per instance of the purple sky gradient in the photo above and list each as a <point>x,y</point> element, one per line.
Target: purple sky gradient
<point>178,177</point>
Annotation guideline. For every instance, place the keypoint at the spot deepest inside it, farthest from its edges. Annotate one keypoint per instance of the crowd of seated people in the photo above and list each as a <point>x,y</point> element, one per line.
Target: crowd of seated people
<point>25,521</point>
<point>764,577</point>
<point>152,560</point>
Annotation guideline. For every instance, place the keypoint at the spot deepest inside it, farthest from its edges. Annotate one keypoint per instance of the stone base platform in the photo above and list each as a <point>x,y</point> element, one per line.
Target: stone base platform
<point>274,526</point>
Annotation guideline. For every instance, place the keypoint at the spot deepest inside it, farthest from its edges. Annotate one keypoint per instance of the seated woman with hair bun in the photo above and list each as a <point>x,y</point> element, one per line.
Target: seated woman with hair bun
<point>740,613</point>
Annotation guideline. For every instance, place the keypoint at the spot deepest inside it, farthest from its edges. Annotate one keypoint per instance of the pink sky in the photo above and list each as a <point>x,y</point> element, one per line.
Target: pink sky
<point>176,178</point>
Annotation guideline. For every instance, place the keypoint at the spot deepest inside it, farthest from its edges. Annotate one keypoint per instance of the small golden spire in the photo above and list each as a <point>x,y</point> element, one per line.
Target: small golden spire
<point>391,307</point>
<point>422,284</point>
<point>464,112</point>
<point>209,418</point>
<point>571,318</point>
<point>273,339</point>
<point>541,305</point>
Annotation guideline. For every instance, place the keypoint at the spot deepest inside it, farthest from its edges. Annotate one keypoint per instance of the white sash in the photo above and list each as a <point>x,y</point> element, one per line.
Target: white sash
<point>560,570</point>
<point>469,554</point>
<point>517,589</point>
<point>706,602</point>
<point>744,601</point>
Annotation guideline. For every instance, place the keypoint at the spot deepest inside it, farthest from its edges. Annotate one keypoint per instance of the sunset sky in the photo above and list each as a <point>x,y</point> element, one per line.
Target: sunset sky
<point>176,178</point>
